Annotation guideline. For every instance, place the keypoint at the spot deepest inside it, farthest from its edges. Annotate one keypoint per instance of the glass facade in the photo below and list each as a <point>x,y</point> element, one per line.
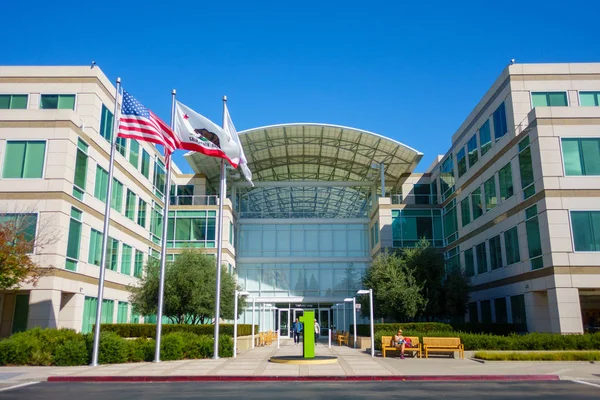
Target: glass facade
<point>410,226</point>
<point>581,156</point>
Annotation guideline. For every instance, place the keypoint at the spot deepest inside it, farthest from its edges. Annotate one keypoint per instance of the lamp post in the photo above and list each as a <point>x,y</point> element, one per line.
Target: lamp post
<point>353,300</point>
<point>370,293</point>
<point>235,318</point>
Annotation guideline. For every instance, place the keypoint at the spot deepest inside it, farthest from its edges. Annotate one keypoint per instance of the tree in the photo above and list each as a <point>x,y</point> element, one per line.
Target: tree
<point>190,286</point>
<point>427,265</point>
<point>396,292</point>
<point>456,293</point>
<point>22,236</point>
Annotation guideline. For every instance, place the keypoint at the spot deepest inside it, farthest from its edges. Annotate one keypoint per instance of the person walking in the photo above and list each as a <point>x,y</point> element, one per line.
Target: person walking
<point>296,329</point>
<point>317,331</point>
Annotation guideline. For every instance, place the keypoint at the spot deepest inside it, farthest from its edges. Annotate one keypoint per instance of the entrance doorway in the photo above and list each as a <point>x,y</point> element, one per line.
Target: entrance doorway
<point>324,321</point>
<point>284,321</point>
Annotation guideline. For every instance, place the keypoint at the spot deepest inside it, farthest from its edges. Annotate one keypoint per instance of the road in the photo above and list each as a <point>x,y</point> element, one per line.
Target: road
<point>306,390</point>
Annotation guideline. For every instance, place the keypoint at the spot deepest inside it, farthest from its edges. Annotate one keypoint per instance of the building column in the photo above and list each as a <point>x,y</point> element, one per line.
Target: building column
<point>71,311</point>
<point>44,308</point>
<point>565,310</point>
<point>537,312</point>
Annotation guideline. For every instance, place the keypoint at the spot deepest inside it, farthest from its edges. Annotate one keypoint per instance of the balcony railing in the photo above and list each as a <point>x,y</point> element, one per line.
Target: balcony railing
<point>198,200</point>
<point>413,199</point>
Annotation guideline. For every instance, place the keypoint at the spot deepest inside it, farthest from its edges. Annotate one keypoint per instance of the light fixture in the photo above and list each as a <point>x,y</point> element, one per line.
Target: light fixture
<point>363,291</point>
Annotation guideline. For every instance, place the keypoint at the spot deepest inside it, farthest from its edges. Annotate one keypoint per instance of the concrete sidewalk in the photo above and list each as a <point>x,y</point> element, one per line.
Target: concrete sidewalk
<point>351,363</point>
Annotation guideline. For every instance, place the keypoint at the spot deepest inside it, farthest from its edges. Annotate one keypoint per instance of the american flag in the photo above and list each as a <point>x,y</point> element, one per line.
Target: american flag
<point>137,122</point>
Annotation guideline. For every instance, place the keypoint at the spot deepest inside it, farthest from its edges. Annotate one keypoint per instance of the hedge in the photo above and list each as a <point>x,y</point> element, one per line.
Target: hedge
<point>539,356</point>
<point>494,329</point>
<point>65,347</point>
<point>530,341</point>
<point>149,330</point>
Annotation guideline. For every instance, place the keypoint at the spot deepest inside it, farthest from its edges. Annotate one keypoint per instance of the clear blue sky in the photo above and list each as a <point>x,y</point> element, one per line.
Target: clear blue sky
<point>412,72</point>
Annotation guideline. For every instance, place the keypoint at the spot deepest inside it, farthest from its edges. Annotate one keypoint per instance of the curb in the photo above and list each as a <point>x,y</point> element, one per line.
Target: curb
<point>446,378</point>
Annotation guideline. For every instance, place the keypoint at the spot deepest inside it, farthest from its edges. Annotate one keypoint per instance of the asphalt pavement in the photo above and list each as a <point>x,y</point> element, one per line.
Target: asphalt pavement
<point>303,390</point>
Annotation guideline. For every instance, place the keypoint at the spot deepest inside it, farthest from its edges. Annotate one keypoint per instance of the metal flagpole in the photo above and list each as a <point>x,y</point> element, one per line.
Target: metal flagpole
<point>106,226</point>
<point>163,250</point>
<point>223,188</point>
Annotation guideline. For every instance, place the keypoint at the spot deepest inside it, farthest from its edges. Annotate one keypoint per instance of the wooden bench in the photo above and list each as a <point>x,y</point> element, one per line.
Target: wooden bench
<point>343,338</point>
<point>386,345</point>
<point>443,344</point>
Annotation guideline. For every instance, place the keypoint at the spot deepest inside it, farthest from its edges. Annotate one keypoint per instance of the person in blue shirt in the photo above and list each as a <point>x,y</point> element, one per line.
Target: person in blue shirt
<point>297,329</point>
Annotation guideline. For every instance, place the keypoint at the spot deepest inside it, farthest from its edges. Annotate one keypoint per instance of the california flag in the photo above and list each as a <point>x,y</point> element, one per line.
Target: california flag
<point>230,128</point>
<point>198,133</point>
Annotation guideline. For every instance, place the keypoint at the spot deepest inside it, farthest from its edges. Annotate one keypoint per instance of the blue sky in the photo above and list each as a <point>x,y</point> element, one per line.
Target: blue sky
<point>411,71</point>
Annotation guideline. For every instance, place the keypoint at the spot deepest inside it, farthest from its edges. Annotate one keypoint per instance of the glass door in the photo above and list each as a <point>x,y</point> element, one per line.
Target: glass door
<point>324,321</point>
<point>284,321</point>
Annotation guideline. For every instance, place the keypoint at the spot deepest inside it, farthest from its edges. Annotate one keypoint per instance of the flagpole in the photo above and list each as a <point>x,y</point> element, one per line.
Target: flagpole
<point>163,250</point>
<point>222,190</point>
<point>111,164</point>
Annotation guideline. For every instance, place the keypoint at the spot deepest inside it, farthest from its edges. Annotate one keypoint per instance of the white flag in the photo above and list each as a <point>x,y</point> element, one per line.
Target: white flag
<point>230,128</point>
<point>198,133</point>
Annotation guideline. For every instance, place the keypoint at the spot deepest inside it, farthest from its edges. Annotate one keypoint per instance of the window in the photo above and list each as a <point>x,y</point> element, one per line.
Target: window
<point>526,168</point>
<point>472,150</point>
<point>501,311</point>
<point>586,99</point>
<point>108,311</point>
<point>477,203</point>
<point>465,211</point>
<point>469,262</point>
<point>433,191</point>
<point>130,205</point>
<point>106,124</point>
<point>121,144</point>
<point>134,153</point>
<point>57,101</point>
<point>517,304</point>
<point>145,167</point>
<point>126,260</point>
<point>581,156</point>
<point>24,225</point>
<point>79,179</point>
<point>101,184</point>
<point>481,258</point>
<point>500,125</point>
<point>24,159</point>
<point>473,317</point>
<point>491,199</point>
<point>447,177</point>
<point>486,312</point>
<point>375,234</point>
<point>461,159</point>
<point>450,223</point>
<point>122,312</point>
<point>534,242</point>
<point>495,252</point>
<point>159,178</point>
<point>197,228</point>
<point>95,253</point>
<point>141,217</point>
<point>506,184</point>
<point>511,244</point>
<point>485,137</point>
<point>116,202</point>
<point>422,194</point>
<point>13,101</point>
<point>452,257</point>
<point>113,254</point>
<point>90,306</point>
<point>585,226</point>
<point>549,99</point>
<point>231,233</point>
<point>74,240</point>
<point>156,223</point>
<point>138,268</point>
<point>409,226</point>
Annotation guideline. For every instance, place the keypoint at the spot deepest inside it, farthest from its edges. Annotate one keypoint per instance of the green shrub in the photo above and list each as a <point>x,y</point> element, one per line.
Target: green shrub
<point>493,329</point>
<point>172,345</point>
<point>140,349</point>
<point>365,329</point>
<point>112,349</point>
<point>225,346</point>
<point>71,353</point>
<point>149,330</point>
<point>538,356</point>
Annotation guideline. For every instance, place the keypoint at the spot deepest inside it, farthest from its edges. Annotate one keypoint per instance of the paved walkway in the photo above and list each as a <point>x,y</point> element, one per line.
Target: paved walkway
<point>351,362</point>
